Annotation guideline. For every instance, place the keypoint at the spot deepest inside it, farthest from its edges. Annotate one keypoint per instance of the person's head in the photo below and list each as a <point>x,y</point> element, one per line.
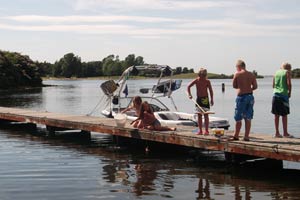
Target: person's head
<point>145,107</point>
<point>240,65</point>
<point>286,66</point>
<point>137,100</point>
<point>202,73</point>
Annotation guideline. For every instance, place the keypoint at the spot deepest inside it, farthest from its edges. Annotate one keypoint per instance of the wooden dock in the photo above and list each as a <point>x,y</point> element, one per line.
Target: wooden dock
<point>264,146</point>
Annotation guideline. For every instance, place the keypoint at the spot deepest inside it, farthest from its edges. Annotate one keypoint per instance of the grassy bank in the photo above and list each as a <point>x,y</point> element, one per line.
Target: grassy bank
<point>209,76</point>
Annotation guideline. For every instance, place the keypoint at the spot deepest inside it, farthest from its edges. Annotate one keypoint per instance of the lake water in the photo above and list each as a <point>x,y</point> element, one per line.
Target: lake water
<point>34,166</point>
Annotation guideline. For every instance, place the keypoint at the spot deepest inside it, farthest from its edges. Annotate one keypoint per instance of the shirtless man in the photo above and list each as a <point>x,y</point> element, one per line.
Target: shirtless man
<point>245,83</point>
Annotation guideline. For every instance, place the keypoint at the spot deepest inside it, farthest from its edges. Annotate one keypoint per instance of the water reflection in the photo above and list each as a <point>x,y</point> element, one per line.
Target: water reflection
<point>151,177</point>
<point>22,98</point>
<point>130,171</point>
<point>145,177</point>
<point>203,189</point>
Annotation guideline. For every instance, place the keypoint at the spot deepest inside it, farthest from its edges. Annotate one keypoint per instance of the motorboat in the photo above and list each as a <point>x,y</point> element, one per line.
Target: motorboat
<point>164,115</point>
<point>118,99</point>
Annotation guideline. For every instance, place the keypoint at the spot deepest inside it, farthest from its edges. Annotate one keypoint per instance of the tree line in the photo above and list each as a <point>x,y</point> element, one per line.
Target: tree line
<point>71,65</point>
<point>19,70</point>
<point>296,73</point>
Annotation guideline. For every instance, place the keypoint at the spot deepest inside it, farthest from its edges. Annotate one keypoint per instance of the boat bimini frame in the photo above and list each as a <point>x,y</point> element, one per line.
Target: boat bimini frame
<point>163,87</point>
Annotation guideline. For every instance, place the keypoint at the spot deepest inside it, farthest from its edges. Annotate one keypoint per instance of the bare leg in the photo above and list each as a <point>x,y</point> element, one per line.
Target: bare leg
<point>284,125</point>
<point>140,124</point>
<point>150,127</point>
<point>206,121</point>
<point>200,123</point>
<point>135,124</point>
<point>237,130</point>
<point>247,128</point>
<point>276,121</point>
<point>163,128</point>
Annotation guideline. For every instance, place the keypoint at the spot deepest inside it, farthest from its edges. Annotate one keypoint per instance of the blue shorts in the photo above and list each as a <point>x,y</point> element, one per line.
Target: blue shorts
<point>244,107</point>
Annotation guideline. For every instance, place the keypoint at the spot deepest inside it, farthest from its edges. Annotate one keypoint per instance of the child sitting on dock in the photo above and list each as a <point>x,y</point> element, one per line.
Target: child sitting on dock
<point>203,85</point>
<point>136,106</point>
<point>147,119</point>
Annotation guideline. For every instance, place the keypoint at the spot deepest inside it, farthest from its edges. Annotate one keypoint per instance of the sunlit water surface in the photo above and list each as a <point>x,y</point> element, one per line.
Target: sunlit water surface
<point>34,166</point>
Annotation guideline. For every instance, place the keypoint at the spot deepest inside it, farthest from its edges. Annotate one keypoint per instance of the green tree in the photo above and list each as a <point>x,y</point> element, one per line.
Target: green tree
<point>108,62</point>
<point>70,65</point>
<point>191,70</point>
<point>255,73</point>
<point>129,60</point>
<point>139,60</point>
<point>45,68</point>
<point>18,70</point>
<point>178,70</point>
<point>296,73</point>
<point>91,69</point>
<point>116,68</point>
<point>185,70</point>
<point>56,70</point>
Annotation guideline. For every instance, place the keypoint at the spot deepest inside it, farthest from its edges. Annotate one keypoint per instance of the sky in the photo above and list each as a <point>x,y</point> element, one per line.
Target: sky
<point>188,33</point>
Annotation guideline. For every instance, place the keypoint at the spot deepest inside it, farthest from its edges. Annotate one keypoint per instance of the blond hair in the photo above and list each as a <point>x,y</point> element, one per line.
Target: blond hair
<point>202,73</point>
<point>241,64</point>
<point>286,66</point>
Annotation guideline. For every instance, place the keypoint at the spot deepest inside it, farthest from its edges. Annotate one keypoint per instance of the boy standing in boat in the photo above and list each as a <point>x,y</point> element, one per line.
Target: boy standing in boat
<point>282,86</point>
<point>203,85</point>
<point>245,83</point>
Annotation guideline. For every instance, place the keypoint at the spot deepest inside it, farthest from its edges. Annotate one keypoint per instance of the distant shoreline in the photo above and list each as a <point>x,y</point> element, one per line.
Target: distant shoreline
<point>177,76</point>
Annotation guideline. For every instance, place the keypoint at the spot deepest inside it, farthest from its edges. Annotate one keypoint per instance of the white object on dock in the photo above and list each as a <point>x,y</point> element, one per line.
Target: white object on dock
<point>120,119</point>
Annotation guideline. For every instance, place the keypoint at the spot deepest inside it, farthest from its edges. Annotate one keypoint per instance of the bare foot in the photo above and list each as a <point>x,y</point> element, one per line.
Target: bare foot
<point>278,136</point>
<point>288,135</point>
<point>234,138</point>
<point>199,133</point>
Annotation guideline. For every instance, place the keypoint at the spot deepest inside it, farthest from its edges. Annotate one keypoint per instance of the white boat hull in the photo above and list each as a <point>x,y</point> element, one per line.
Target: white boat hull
<point>169,118</point>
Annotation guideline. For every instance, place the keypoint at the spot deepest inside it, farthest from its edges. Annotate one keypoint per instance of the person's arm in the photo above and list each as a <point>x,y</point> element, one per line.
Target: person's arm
<point>211,93</point>
<point>289,82</point>
<point>234,81</point>
<point>126,109</point>
<point>189,88</point>
<point>273,82</point>
<point>254,83</point>
<point>138,118</point>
